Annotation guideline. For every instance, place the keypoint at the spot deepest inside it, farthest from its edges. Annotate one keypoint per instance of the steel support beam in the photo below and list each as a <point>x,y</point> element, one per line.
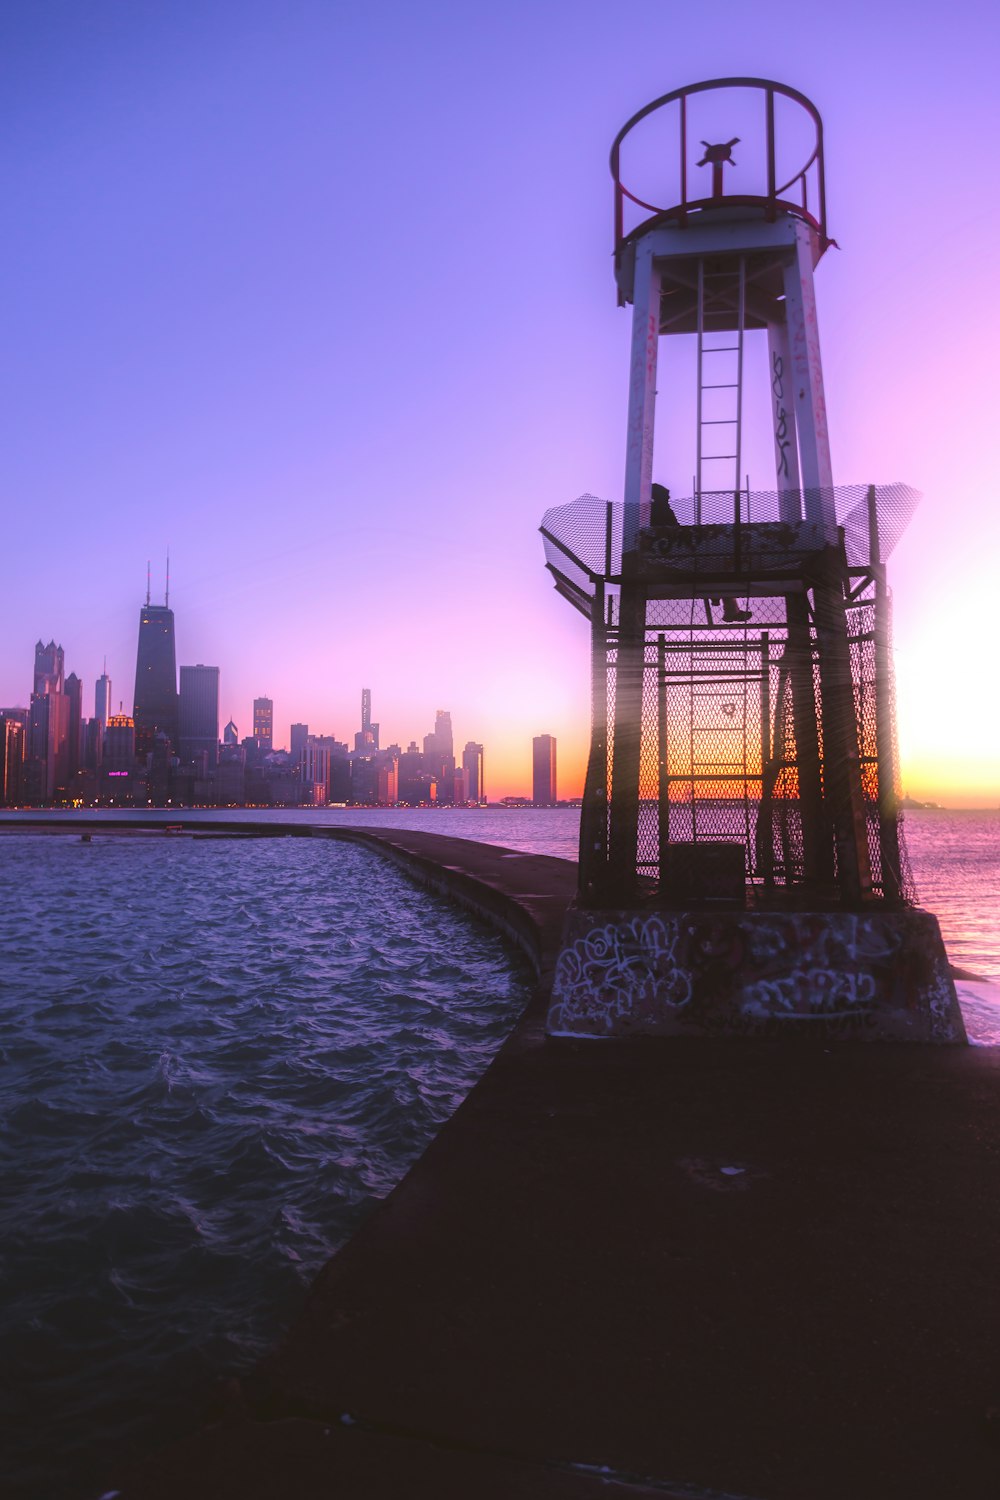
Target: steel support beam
<point>809,401</point>
<point>642,394</point>
<point>786,448</point>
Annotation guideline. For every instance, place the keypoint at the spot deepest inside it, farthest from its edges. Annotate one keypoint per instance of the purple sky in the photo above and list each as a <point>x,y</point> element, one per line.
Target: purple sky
<point>320,297</point>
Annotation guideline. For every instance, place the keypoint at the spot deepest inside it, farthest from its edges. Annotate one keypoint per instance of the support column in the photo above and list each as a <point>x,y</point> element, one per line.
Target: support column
<point>841,765</point>
<point>624,819</point>
<point>642,393</point>
<point>841,762</point>
<point>888,811</point>
<point>806,386</point>
<point>593,868</point>
<point>817,845</point>
<point>786,448</point>
<point>817,836</point>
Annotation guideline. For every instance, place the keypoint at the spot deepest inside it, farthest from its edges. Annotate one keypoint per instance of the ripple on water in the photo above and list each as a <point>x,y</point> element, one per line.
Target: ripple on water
<point>206,1087</point>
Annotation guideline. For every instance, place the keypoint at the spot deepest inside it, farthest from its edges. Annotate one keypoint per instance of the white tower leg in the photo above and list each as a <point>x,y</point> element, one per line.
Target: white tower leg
<point>642,393</point>
<point>807,386</point>
<point>786,448</point>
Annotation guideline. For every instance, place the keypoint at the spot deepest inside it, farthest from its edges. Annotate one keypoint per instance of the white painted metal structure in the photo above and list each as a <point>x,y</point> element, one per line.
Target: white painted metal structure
<point>669,253</point>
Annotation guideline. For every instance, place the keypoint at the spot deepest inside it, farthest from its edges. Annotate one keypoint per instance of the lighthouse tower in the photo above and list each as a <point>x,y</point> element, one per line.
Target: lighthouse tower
<point>741,864</point>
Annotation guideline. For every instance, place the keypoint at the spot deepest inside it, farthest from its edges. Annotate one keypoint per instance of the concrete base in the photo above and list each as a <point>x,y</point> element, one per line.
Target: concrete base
<point>881,975</point>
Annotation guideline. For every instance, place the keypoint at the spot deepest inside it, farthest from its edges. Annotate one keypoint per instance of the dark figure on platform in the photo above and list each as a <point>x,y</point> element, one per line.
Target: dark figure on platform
<point>661,513</point>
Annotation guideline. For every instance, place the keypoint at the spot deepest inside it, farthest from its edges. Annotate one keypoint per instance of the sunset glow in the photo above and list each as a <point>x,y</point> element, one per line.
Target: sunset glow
<point>328,312</point>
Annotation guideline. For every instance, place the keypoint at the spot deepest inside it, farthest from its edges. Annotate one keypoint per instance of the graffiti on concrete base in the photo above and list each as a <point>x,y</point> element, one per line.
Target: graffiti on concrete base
<point>676,972</point>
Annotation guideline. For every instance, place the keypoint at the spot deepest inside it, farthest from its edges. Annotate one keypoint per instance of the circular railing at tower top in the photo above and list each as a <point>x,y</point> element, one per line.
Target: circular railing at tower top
<point>779,166</point>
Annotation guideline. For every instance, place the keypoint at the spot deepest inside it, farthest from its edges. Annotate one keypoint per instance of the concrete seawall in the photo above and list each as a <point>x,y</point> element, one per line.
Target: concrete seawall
<point>645,1267</point>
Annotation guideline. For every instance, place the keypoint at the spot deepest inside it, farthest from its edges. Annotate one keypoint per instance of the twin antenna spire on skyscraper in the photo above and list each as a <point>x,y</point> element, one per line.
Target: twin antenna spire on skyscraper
<point>166,597</point>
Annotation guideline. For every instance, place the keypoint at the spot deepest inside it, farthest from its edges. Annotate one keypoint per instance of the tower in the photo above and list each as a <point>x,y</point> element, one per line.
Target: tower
<point>263,724</point>
<point>155,708</point>
<point>102,700</point>
<point>472,765</point>
<point>47,749</point>
<point>366,739</point>
<point>198,714</point>
<point>297,738</point>
<point>543,770</point>
<point>740,825</point>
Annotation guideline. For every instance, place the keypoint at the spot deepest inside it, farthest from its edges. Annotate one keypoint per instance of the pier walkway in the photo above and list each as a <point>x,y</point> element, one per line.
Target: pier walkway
<point>690,1268</point>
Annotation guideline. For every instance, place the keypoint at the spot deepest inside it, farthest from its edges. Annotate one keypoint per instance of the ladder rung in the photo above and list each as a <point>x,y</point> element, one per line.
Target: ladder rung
<point>719,422</point>
<point>722,385</point>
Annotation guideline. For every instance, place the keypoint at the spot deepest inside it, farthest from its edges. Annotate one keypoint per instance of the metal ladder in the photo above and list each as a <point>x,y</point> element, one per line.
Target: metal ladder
<point>721,298</point>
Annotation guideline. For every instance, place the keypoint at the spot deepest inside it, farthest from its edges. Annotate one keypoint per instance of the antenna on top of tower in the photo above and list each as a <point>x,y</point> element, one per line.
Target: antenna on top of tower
<point>166,597</point>
<point>147,584</point>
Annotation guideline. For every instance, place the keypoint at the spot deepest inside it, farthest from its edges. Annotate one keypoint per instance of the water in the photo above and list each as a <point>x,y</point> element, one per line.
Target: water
<point>217,1055</point>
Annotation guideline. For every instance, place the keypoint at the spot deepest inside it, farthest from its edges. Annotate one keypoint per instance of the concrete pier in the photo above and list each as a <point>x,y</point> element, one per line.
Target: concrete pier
<point>693,1268</point>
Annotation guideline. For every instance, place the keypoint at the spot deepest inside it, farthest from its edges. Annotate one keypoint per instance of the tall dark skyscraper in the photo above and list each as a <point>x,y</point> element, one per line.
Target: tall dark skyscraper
<point>543,767</point>
<point>198,713</point>
<point>156,708</point>
<point>73,689</point>
<point>298,735</point>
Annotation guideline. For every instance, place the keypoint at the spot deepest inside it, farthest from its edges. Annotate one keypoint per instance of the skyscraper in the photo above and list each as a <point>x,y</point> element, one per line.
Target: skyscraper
<point>156,710</point>
<point>102,700</point>
<point>298,735</point>
<point>472,765</point>
<point>73,689</point>
<point>443,733</point>
<point>11,759</point>
<point>263,724</point>
<point>47,751</point>
<point>198,713</point>
<point>543,767</point>
<point>366,740</point>
<point>439,754</point>
<point>119,744</point>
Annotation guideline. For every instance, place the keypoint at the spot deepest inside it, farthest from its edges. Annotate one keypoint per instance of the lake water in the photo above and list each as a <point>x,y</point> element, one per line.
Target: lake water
<point>217,1055</point>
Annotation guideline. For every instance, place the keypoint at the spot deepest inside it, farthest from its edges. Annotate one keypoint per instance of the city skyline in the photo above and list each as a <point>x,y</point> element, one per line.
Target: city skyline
<point>327,469</point>
<point>170,749</point>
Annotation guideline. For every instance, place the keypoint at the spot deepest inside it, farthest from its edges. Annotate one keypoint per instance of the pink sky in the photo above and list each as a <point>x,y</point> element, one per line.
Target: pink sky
<point>320,297</point>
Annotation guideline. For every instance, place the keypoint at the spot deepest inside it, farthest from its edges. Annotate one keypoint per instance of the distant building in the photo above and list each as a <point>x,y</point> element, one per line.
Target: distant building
<point>74,740</point>
<point>315,770</point>
<point>366,740</point>
<point>263,724</point>
<point>231,736</point>
<point>119,743</point>
<point>298,734</point>
<point>102,700</point>
<point>439,754</point>
<point>472,765</point>
<point>543,770</point>
<point>46,758</point>
<point>155,708</point>
<point>198,715</point>
<point>459,789</point>
<point>11,759</point>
